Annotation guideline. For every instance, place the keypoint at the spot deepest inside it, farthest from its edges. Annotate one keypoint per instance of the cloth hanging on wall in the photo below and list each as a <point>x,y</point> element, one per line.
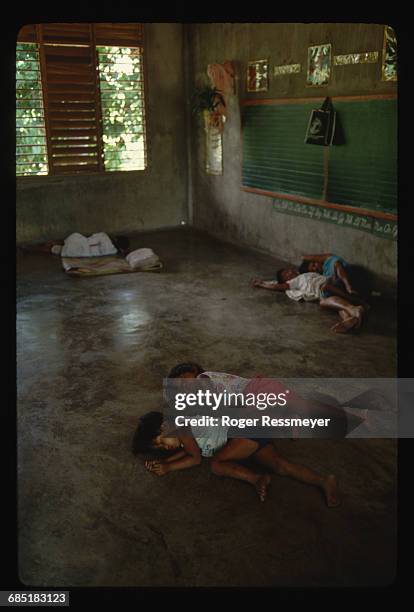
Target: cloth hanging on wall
<point>222,77</point>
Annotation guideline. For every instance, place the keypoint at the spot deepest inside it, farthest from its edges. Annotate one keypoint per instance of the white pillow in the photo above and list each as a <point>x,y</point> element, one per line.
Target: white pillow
<point>138,257</point>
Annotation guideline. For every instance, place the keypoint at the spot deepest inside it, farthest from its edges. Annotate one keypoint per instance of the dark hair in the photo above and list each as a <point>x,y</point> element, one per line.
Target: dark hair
<point>279,275</point>
<point>304,267</point>
<point>121,243</point>
<point>182,368</point>
<point>149,427</point>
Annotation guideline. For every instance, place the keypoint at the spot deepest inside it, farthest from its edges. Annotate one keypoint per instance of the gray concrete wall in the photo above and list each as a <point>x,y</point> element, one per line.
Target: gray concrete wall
<point>220,207</point>
<point>53,207</point>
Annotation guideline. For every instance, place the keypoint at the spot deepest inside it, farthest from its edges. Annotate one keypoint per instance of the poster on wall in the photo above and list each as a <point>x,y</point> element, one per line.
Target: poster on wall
<point>389,55</point>
<point>321,127</point>
<point>286,69</point>
<point>369,57</point>
<point>214,150</point>
<point>258,75</point>
<point>319,65</point>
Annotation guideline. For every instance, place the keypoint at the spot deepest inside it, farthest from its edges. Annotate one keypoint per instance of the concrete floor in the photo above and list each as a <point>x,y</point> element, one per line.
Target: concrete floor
<point>91,355</point>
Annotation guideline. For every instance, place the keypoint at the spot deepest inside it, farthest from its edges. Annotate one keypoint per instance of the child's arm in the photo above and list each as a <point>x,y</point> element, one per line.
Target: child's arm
<point>188,457</point>
<point>271,285</point>
<point>341,272</point>
<point>281,287</point>
<point>321,257</point>
<point>176,456</point>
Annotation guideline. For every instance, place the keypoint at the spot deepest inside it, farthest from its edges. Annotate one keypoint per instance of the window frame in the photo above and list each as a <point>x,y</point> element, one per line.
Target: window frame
<point>44,179</point>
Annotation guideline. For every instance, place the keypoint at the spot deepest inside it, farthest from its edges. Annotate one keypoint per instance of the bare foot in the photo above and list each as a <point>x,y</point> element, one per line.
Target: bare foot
<point>255,282</point>
<point>345,325</point>
<point>330,490</point>
<point>359,314</point>
<point>261,486</point>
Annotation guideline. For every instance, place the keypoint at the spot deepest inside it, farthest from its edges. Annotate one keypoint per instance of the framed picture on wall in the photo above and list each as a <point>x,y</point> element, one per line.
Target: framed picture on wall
<point>319,65</point>
<point>258,75</point>
<point>389,55</point>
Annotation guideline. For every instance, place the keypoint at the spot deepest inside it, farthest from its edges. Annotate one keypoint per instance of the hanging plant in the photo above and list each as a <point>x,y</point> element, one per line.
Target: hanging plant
<point>207,99</point>
<point>211,103</point>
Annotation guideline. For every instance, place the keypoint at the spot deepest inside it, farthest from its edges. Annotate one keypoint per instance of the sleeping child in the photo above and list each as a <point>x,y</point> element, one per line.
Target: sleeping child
<point>154,432</point>
<point>312,286</point>
<point>352,280</point>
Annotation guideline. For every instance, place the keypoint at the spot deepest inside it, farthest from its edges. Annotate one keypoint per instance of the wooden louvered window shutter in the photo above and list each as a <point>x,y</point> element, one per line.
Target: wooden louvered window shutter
<point>69,56</point>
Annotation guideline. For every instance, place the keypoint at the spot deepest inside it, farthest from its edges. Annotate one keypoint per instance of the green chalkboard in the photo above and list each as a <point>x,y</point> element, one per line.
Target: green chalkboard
<point>275,157</point>
<point>361,172</point>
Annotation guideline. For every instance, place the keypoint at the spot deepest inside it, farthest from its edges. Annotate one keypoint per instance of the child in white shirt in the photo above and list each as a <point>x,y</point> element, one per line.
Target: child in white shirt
<point>312,286</point>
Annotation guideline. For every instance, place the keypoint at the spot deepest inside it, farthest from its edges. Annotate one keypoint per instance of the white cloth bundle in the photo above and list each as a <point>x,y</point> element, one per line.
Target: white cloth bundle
<point>142,258</point>
<point>77,245</point>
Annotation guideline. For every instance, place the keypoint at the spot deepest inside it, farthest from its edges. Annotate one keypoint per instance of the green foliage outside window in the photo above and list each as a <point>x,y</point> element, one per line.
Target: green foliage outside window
<point>122,102</point>
<point>31,150</point>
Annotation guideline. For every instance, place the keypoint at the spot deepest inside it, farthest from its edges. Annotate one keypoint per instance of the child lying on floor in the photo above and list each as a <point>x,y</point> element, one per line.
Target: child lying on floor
<point>352,280</point>
<point>328,265</point>
<point>77,245</point>
<point>154,432</point>
<point>312,286</point>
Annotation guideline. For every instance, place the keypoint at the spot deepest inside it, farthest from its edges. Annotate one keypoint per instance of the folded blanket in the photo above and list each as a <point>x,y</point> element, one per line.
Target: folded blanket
<point>107,264</point>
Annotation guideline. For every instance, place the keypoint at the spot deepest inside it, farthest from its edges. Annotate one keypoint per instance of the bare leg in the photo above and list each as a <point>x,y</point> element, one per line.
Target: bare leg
<point>347,320</point>
<point>354,313</point>
<point>224,463</point>
<point>351,298</point>
<point>258,282</point>
<point>269,457</point>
